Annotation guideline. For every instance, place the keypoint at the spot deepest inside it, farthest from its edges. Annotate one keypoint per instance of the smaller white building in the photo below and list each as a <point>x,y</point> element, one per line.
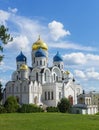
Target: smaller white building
<point>84,105</point>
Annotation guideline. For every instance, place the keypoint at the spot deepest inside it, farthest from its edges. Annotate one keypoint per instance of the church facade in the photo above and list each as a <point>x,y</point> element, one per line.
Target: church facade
<point>41,84</point>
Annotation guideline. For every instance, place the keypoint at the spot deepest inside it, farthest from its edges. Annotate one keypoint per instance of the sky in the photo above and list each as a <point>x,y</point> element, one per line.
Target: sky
<point>68,26</point>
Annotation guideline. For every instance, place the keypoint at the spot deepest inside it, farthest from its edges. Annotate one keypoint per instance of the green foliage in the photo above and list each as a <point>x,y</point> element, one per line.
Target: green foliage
<point>4,38</point>
<point>28,108</point>
<point>1,92</point>
<point>52,109</point>
<point>64,105</point>
<point>2,109</point>
<point>11,104</point>
<point>97,113</point>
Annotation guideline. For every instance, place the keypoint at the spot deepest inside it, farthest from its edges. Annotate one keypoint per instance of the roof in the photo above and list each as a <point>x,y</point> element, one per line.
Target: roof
<point>84,106</point>
<point>21,57</point>
<point>24,67</point>
<point>39,44</point>
<point>57,57</point>
<point>40,53</point>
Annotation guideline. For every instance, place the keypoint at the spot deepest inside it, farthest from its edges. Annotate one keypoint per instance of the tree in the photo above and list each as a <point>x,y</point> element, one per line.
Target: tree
<point>4,39</point>
<point>1,92</point>
<point>64,105</point>
<point>11,104</point>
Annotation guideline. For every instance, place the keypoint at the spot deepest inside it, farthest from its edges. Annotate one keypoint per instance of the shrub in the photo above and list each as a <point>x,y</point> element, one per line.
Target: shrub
<point>28,108</point>
<point>64,105</point>
<point>11,104</point>
<point>52,109</point>
<point>2,109</point>
<point>97,113</point>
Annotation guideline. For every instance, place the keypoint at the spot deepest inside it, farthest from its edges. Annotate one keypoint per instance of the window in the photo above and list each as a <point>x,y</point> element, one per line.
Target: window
<point>24,88</point>
<point>52,96</point>
<point>44,62</point>
<point>36,76</point>
<point>54,77</point>
<point>45,76</point>
<point>45,95</point>
<point>48,95</point>
<point>16,88</point>
<point>40,62</point>
<point>34,59</point>
<point>59,66</point>
<point>59,95</point>
<point>9,89</point>
<point>37,62</point>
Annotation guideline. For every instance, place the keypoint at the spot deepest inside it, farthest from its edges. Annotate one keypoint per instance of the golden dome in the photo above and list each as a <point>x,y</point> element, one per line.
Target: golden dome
<point>39,44</point>
<point>67,72</point>
<point>24,67</point>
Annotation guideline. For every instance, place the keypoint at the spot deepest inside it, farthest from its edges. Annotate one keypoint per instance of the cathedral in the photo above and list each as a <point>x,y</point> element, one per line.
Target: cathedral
<point>41,84</point>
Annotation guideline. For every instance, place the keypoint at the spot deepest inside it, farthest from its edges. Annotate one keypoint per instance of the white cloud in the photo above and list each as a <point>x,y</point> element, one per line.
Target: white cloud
<point>92,74</point>
<point>70,45</point>
<point>2,81</point>
<point>80,74</point>
<point>5,67</point>
<point>88,74</point>
<point>75,58</point>
<point>80,58</point>
<point>4,16</point>
<point>92,57</point>
<point>20,42</point>
<point>14,10</point>
<point>57,30</point>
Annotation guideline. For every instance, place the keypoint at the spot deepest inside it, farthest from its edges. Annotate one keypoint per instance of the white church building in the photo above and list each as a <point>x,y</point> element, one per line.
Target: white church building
<point>41,84</point>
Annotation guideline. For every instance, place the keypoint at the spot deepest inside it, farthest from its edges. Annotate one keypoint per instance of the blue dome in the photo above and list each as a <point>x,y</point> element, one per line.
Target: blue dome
<point>21,57</point>
<point>40,53</point>
<point>57,57</point>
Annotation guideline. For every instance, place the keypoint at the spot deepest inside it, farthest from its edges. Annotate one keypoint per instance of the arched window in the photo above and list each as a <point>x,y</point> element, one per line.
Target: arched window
<point>36,76</point>
<point>37,62</point>
<point>34,59</point>
<point>45,76</point>
<point>54,77</point>
<point>45,95</point>
<point>44,62</point>
<point>40,62</point>
<point>48,95</point>
<point>52,95</point>
<point>59,95</point>
<point>24,88</point>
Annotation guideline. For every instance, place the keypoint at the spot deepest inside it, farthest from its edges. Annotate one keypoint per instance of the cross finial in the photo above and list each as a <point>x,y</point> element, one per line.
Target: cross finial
<point>39,37</point>
<point>21,49</point>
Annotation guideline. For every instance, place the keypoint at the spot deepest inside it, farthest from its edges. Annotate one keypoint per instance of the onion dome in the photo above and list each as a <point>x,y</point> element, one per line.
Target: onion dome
<point>24,67</point>
<point>40,53</point>
<point>67,72</point>
<point>21,57</point>
<point>57,57</point>
<point>39,44</point>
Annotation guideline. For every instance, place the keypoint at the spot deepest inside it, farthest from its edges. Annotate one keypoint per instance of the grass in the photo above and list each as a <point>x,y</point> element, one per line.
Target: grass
<point>48,121</point>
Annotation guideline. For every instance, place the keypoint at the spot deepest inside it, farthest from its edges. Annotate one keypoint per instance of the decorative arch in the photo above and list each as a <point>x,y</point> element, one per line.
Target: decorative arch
<point>34,76</point>
<point>47,75</point>
<point>56,72</point>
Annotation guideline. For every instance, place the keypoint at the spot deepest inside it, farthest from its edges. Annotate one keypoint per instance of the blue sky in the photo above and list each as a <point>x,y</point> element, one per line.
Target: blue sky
<point>68,26</point>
